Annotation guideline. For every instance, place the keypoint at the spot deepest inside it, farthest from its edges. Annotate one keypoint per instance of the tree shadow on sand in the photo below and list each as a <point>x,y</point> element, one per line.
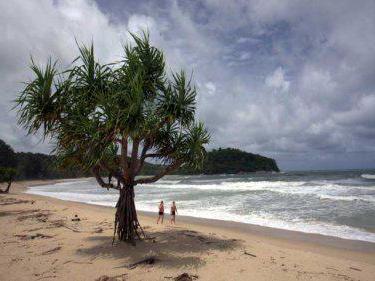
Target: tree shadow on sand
<point>171,248</point>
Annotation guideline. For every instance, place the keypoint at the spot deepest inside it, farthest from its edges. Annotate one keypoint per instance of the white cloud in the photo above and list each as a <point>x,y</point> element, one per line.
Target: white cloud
<point>43,29</point>
<point>318,55</point>
<point>244,56</point>
<point>211,88</point>
<point>138,23</point>
<point>277,82</point>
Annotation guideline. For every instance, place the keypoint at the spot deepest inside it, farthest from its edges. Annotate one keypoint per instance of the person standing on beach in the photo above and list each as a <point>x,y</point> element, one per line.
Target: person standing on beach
<point>173,213</point>
<point>161,212</point>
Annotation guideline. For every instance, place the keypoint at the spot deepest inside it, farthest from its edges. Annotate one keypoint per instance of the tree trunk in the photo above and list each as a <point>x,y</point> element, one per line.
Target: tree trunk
<point>8,187</point>
<point>127,226</point>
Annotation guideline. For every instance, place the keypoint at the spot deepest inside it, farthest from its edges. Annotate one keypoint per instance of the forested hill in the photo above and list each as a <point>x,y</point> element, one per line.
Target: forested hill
<point>35,165</point>
<point>218,161</point>
<point>225,161</point>
<point>234,161</point>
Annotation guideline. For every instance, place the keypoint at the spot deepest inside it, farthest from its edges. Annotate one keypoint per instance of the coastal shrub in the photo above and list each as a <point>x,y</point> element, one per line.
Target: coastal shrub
<point>6,176</point>
<point>8,163</point>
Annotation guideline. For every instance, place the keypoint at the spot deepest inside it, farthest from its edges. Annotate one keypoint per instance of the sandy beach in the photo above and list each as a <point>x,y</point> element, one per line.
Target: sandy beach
<point>39,241</point>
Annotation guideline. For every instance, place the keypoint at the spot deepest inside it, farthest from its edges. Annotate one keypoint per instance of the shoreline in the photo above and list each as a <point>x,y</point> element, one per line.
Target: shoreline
<point>269,232</point>
<point>299,237</point>
<point>275,232</point>
<point>211,249</point>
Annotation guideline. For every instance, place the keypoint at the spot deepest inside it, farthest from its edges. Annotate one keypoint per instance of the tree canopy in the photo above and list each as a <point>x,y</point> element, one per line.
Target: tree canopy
<point>8,156</point>
<point>112,117</point>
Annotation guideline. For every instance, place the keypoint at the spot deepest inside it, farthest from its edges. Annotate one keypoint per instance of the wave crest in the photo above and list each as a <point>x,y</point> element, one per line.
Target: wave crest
<point>368,176</point>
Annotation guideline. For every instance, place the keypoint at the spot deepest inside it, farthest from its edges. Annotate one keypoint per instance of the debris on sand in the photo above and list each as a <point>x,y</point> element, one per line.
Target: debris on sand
<point>106,278</point>
<point>33,236</point>
<point>149,260</point>
<point>57,223</point>
<point>109,278</point>
<point>249,254</point>
<point>51,251</point>
<point>11,201</point>
<point>41,216</point>
<point>76,218</point>
<point>185,277</point>
<point>98,230</point>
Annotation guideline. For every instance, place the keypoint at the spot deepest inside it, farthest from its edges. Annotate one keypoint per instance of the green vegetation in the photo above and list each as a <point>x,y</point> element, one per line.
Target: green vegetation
<point>31,166</point>
<point>110,118</point>
<point>7,176</point>
<point>42,166</point>
<point>233,161</point>
<point>7,155</point>
<point>218,161</point>
<point>8,163</point>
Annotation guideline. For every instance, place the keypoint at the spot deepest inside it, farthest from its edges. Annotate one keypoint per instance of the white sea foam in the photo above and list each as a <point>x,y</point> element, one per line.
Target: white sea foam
<point>214,180</point>
<point>77,197</point>
<point>70,182</point>
<point>232,186</point>
<point>233,193</point>
<point>322,189</point>
<point>169,181</point>
<point>368,176</point>
<point>366,198</point>
<point>268,220</point>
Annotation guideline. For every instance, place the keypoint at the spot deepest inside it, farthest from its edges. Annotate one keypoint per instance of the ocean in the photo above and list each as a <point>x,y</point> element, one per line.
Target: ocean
<point>335,203</point>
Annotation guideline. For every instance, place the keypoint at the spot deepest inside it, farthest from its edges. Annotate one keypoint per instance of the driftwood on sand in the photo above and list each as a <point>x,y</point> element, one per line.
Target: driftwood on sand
<point>249,254</point>
<point>148,260</point>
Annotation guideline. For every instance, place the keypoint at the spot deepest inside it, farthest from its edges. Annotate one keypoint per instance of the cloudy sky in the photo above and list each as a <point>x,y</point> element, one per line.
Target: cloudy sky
<point>291,79</point>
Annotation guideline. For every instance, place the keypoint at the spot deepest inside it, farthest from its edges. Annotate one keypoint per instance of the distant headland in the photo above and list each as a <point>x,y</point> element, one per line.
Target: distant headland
<point>234,161</point>
<point>225,161</point>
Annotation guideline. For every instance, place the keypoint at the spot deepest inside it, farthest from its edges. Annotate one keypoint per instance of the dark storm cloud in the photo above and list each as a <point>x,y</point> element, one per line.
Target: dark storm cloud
<point>290,79</point>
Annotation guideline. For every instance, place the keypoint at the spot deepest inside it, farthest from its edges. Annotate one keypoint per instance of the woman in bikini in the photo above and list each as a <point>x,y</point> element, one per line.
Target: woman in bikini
<point>173,213</point>
<point>161,212</point>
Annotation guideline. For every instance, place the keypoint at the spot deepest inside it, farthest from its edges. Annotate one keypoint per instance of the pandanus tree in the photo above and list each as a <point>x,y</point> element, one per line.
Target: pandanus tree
<point>112,118</point>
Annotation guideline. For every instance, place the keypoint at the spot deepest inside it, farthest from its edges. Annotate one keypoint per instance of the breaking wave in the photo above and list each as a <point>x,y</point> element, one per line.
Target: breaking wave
<point>368,176</point>
<point>323,203</point>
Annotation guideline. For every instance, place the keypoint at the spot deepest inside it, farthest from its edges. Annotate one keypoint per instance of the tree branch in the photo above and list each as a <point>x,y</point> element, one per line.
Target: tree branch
<point>116,174</point>
<point>159,154</point>
<point>124,156</point>
<point>96,172</point>
<point>151,155</point>
<point>167,170</point>
<point>146,146</point>
<point>134,159</point>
